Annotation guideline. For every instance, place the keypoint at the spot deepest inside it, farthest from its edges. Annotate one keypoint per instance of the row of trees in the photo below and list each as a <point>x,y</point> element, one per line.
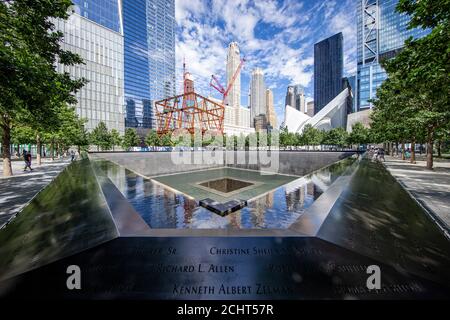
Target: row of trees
<point>338,137</point>
<point>36,101</point>
<point>412,105</point>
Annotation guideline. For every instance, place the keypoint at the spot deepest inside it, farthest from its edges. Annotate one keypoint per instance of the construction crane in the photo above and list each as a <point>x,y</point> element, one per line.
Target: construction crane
<point>216,84</point>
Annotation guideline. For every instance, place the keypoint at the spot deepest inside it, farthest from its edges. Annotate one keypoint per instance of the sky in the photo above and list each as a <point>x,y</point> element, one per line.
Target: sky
<point>275,35</point>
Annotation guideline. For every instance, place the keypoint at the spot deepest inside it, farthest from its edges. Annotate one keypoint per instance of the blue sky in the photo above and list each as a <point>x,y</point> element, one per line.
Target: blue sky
<point>275,35</point>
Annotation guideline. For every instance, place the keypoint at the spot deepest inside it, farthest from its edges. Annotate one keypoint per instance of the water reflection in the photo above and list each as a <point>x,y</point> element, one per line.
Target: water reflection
<point>163,208</point>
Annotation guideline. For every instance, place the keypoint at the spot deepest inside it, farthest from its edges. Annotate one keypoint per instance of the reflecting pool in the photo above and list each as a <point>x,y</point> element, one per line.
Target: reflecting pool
<point>165,208</point>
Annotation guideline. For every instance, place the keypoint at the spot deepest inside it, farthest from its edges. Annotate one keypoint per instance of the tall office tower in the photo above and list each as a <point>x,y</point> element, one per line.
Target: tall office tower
<point>233,61</point>
<point>328,70</point>
<point>381,34</point>
<point>149,34</point>
<point>295,97</point>
<point>310,109</point>
<point>351,81</point>
<point>258,94</point>
<point>94,31</point>
<point>271,115</point>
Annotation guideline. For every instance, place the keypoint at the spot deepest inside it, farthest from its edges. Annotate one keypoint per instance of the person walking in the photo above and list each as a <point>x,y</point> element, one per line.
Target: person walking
<point>381,155</point>
<point>72,155</point>
<point>27,159</point>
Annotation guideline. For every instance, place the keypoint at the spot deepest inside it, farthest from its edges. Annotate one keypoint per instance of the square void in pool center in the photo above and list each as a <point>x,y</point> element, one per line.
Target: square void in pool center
<point>224,184</point>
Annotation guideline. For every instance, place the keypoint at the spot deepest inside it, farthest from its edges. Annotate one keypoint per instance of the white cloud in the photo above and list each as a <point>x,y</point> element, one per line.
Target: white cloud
<point>285,52</point>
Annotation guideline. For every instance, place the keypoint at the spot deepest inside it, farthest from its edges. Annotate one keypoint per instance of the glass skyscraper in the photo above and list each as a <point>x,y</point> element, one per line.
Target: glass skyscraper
<point>149,43</point>
<point>94,32</point>
<point>381,34</point>
<point>328,70</point>
<point>104,12</point>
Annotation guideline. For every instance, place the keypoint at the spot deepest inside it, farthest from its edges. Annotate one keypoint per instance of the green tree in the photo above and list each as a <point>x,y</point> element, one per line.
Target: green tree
<point>414,100</point>
<point>335,137</point>
<point>116,139</point>
<point>29,50</point>
<point>130,139</point>
<point>165,140</point>
<point>152,138</point>
<point>101,137</point>
<point>359,134</point>
<point>312,136</point>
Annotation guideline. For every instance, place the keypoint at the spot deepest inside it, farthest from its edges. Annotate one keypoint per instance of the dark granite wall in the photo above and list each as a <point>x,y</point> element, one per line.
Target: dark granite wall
<point>286,162</point>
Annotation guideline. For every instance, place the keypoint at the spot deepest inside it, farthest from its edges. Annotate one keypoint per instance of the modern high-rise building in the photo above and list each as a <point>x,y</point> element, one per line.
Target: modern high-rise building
<point>149,39</point>
<point>94,31</point>
<point>257,94</point>
<point>381,34</point>
<point>295,97</point>
<point>233,61</point>
<point>328,70</point>
<point>271,115</point>
<point>310,109</point>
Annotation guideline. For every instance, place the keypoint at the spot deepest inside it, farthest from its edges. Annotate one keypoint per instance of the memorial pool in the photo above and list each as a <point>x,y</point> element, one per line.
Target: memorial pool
<point>274,201</point>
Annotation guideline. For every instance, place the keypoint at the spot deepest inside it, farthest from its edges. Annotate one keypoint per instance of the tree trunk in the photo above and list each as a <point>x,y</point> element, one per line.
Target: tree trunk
<point>396,149</point>
<point>430,154</point>
<point>53,150</point>
<point>430,143</point>
<point>413,151</point>
<point>403,151</point>
<point>6,152</point>
<point>38,149</point>
<point>439,148</point>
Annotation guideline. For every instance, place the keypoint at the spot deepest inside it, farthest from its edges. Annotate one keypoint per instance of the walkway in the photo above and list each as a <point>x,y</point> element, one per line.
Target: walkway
<point>18,190</point>
<point>430,188</point>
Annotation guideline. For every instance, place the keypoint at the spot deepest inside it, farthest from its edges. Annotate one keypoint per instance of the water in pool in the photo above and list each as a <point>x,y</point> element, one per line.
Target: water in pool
<point>164,209</point>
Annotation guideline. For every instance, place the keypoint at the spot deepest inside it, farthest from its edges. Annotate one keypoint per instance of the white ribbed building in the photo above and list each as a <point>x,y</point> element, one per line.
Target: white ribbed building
<point>257,94</point>
<point>233,61</point>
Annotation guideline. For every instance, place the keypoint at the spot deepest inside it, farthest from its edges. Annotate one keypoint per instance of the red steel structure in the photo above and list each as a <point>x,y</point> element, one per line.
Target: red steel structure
<point>189,111</point>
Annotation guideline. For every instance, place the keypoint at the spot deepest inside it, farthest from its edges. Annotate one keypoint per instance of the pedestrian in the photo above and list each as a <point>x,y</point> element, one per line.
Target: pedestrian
<point>381,154</point>
<point>72,155</point>
<point>27,159</point>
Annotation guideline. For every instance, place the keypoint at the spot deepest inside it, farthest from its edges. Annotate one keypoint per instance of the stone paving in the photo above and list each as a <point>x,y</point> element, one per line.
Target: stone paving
<point>17,191</point>
<point>430,188</point>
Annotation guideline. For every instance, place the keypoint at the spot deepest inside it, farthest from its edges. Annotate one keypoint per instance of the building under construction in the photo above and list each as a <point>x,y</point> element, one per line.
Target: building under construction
<point>189,111</point>
<point>192,112</point>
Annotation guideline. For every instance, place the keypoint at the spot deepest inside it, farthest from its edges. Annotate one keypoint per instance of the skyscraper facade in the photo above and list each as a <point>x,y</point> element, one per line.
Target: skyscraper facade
<point>328,70</point>
<point>271,115</point>
<point>295,97</point>
<point>149,45</point>
<point>96,35</point>
<point>107,13</point>
<point>257,94</point>
<point>310,109</point>
<point>381,34</point>
<point>233,61</point>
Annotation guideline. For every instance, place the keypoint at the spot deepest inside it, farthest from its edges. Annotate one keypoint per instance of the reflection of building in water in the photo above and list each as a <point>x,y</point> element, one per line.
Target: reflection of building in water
<point>269,200</point>
<point>235,219</point>
<point>258,211</point>
<point>310,189</point>
<point>295,200</point>
<point>189,206</point>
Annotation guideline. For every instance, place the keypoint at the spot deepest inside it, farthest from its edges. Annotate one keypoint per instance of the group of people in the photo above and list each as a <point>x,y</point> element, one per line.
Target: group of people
<point>26,155</point>
<point>377,154</point>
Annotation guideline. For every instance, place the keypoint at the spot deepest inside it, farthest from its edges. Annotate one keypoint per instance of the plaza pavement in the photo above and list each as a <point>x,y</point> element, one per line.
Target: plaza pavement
<point>430,188</point>
<point>17,191</point>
